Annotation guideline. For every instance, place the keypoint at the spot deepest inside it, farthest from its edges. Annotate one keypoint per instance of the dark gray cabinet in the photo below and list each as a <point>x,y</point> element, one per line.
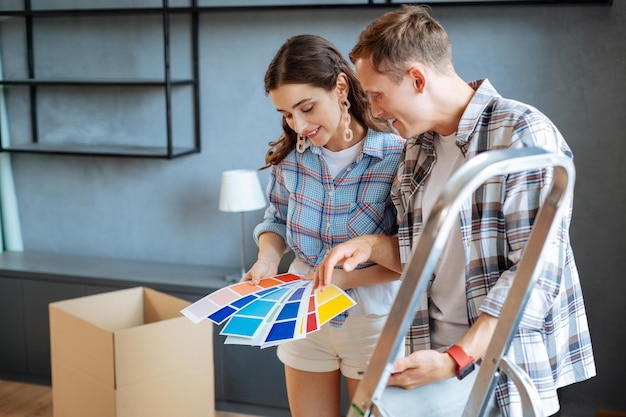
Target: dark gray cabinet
<point>36,295</point>
<point>12,339</point>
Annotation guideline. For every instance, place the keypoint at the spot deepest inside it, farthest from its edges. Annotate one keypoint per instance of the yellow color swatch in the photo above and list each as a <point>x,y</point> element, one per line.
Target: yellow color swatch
<point>331,302</point>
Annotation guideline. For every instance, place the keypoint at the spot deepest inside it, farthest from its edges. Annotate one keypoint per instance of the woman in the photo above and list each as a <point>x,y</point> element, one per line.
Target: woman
<point>332,170</point>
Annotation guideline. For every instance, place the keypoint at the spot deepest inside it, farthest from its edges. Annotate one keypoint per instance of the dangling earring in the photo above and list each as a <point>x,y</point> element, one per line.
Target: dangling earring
<point>301,143</point>
<point>348,135</point>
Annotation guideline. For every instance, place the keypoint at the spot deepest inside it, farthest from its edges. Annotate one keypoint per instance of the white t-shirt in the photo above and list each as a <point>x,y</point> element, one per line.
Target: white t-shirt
<point>336,161</point>
<point>447,300</point>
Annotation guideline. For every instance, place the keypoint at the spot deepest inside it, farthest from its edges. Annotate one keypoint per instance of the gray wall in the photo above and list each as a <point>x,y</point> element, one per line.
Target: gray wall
<point>569,61</point>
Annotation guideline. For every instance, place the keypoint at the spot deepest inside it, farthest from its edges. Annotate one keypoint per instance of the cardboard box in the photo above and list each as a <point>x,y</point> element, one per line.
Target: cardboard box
<point>130,353</point>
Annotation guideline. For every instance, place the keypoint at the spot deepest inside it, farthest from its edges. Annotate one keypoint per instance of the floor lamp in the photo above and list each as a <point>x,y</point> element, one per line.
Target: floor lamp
<point>240,192</point>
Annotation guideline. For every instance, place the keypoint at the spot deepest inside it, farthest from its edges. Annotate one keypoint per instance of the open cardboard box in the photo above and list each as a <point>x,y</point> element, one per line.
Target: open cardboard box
<point>130,353</point>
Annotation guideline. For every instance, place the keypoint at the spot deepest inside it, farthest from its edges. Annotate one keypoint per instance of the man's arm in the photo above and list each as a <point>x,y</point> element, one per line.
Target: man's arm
<point>475,341</point>
<point>380,249</point>
<point>374,274</point>
<point>427,366</point>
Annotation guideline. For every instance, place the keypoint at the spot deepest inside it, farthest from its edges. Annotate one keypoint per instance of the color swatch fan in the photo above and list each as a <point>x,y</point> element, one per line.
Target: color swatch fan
<point>277,310</point>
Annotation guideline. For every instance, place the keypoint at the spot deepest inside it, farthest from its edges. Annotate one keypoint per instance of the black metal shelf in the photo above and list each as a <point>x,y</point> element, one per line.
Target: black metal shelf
<point>134,82</point>
<point>166,83</point>
<point>371,4</point>
<point>269,6</point>
<point>100,150</point>
<point>103,11</point>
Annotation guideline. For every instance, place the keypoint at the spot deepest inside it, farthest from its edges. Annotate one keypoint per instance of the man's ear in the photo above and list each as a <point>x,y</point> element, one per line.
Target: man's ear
<point>418,78</point>
<point>343,85</point>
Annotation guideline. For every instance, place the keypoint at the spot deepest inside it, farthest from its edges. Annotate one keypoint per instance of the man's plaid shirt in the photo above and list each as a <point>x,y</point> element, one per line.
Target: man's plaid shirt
<point>552,344</point>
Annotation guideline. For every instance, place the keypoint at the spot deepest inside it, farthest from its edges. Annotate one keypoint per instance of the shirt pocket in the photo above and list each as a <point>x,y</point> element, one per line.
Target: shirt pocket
<point>366,218</point>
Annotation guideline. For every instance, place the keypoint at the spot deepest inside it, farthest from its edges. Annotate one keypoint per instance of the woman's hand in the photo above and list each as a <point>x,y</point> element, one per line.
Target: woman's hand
<point>262,268</point>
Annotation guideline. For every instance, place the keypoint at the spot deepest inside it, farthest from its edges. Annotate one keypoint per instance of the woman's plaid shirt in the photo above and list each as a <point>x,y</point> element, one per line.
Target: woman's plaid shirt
<point>313,212</point>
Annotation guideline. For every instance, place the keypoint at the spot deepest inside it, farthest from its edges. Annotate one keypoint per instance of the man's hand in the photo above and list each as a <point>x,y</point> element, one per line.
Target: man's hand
<point>349,254</point>
<point>379,249</point>
<point>420,368</point>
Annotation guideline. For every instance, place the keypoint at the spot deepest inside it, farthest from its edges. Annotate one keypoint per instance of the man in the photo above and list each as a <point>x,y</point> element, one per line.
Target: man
<point>404,62</point>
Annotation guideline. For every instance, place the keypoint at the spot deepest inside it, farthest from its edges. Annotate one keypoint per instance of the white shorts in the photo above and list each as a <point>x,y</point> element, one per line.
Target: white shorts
<point>347,348</point>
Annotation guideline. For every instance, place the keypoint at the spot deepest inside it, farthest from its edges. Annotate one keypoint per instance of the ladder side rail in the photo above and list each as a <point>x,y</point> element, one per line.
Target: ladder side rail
<point>520,291</point>
<point>528,393</point>
<point>425,253</point>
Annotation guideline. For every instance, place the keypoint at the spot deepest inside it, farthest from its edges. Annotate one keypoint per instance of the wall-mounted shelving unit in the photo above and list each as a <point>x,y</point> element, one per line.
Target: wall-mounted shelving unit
<point>37,90</point>
<point>43,100</point>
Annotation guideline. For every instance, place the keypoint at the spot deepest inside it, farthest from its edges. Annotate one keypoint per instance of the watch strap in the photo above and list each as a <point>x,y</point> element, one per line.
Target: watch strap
<point>465,364</point>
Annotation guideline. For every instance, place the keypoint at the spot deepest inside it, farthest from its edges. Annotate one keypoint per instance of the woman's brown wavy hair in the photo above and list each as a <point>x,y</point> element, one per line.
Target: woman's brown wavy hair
<point>311,59</point>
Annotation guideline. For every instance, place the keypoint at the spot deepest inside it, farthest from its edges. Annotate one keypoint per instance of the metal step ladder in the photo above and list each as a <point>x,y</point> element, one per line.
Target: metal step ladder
<point>419,269</point>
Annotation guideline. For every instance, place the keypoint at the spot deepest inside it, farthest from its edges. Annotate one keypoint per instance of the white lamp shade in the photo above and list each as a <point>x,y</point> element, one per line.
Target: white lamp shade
<point>241,191</point>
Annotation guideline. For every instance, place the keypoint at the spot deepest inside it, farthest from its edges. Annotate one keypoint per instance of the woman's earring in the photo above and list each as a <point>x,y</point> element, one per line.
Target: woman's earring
<point>301,143</point>
<point>348,135</point>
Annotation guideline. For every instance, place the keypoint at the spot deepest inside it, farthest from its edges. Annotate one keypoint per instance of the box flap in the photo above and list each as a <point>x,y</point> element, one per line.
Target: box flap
<point>76,394</point>
<point>159,306</point>
<point>113,310</point>
<point>89,348</point>
<point>189,394</point>
<point>163,348</point>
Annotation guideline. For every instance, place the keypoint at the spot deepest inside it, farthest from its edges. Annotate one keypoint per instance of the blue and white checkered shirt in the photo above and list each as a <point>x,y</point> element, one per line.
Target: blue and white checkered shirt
<point>313,212</point>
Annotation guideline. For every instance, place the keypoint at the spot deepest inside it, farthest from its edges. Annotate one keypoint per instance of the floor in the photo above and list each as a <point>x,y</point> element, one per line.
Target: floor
<point>25,400</point>
<point>18,399</point>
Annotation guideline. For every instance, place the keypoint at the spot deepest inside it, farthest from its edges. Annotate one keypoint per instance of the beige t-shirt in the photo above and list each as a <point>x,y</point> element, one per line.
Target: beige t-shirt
<point>447,300</point>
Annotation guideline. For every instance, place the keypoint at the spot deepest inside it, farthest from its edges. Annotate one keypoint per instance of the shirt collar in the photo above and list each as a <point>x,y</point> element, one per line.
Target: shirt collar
<point>483,96</point>
<point>373,145</point>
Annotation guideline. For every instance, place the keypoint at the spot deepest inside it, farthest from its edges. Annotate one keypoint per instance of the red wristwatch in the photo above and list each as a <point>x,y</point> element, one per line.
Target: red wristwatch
<point>464,363</point>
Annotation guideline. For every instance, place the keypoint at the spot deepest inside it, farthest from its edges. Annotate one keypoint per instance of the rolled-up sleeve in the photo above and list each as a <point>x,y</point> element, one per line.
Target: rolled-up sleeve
<point>275,216</point>
<point>525,194</point>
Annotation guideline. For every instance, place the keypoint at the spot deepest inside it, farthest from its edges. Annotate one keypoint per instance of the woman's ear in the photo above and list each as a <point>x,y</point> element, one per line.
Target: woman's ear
<point>418,78</point>
<point>343,85</point>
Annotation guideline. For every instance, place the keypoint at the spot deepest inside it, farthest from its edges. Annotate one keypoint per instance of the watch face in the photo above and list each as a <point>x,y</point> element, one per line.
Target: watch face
<point>462,373</point>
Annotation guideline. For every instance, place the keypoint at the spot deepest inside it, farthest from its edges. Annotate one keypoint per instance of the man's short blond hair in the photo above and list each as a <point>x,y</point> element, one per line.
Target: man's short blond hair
<point>404,35</point>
